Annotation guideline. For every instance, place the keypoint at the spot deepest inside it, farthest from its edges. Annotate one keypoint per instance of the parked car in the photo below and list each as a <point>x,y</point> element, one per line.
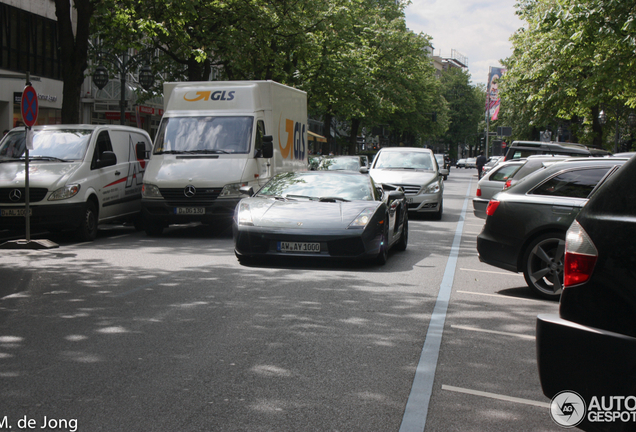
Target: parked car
<point>415,171</point>
<point>523,149</point>
<point>526,224</point>
<point>590,347</point>
<point>504,176</point>
<point>471,163</point>
<point>342,163</point>
<point>492,162</point>
<point>79,176</point>
<point>322,214</point>
<point>442,162</point>
<point>461,163</point>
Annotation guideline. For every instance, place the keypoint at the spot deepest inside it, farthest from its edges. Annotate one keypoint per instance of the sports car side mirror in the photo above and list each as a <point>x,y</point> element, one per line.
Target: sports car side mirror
<point>246,190</point>
<point>396,195</point>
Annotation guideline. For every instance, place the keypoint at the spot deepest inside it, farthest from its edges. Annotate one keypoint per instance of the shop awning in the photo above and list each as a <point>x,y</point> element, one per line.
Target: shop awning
<point>315,137</point>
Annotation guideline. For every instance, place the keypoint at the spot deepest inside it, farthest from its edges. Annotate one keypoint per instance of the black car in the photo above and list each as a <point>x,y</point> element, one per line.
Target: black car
<point>330,214</point>
<point>526,224</point>
<point>588,351</point>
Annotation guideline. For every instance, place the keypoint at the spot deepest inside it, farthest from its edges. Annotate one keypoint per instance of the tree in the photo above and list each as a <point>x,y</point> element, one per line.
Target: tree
<point>73,53</point>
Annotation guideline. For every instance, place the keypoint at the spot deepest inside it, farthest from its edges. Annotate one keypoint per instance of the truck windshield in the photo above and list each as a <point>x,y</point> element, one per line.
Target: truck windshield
<point>55,145</point>
<point>204,135</point>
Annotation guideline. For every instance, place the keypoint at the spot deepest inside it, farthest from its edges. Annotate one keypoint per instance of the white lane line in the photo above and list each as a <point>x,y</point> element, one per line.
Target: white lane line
<point>492,272</point>
<point>496,396</point>
<point>519,335</point>
<point>504,297</point>
<point>416,410</point>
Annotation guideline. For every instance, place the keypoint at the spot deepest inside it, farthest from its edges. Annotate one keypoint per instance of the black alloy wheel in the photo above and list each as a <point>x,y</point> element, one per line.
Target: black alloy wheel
<point>87,230</point>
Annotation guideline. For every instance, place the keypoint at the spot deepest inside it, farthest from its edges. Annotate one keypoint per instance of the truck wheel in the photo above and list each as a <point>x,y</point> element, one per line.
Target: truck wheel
<point>87,230</point>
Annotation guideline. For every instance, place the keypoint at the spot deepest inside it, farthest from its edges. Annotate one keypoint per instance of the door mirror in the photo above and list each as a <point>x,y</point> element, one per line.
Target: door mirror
<point>268,147</point>
<point>140,150</point>
<point>106,159</point>
<point>246,190</point>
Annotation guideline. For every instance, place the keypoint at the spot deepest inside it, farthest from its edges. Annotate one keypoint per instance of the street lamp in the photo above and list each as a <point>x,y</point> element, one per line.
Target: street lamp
<point>123,65</point>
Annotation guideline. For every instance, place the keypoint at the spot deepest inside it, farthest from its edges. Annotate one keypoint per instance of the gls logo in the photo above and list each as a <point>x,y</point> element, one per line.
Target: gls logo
<point>207,95</point>
<point>295,139</point>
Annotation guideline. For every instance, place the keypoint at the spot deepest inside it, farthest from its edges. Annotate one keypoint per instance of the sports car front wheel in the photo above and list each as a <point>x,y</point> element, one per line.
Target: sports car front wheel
<point>384,244</point>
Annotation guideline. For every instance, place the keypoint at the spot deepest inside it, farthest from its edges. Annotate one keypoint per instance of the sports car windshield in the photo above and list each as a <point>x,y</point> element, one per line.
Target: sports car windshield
<point>325,186</point>
<point>404,160</point>
<point>201,135</point>
<point>54,145</point>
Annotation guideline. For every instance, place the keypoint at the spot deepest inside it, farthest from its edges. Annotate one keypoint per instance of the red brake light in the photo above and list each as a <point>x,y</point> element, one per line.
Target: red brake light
<point>492,207</point>
<point>478,192</point>
<point>580,256</point>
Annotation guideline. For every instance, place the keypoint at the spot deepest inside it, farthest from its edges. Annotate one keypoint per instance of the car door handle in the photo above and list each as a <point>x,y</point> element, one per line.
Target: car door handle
<point>117,173</point>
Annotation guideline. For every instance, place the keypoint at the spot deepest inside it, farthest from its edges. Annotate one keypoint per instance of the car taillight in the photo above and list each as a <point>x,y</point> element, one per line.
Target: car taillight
<point>478,192</point>
<point>492,206</point>
<point>580,256</point>
<point>507,185</point>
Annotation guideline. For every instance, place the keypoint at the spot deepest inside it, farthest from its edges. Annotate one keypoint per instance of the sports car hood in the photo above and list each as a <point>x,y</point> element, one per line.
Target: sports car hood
<point>399,176</point>
<point>271,213</point>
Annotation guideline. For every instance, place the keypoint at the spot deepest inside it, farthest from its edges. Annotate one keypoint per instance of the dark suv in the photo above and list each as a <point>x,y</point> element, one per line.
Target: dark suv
<point>526,224</point>
<point>590,347</point>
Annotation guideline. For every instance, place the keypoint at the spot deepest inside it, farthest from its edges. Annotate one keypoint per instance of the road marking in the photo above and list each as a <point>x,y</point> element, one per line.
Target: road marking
<point>496,396</point>
<point>519,335</point>
<point>492,272</point>
<point>504,296</point>
<point>414,419</point>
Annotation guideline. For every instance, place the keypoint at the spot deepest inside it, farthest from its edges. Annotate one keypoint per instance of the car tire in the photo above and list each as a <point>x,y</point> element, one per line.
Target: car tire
<point>543,265</point>
<point>153,229</point>
<point>87,230</point>
<point>383,255</point>
<point>404,238</point>
<point>244,259</point>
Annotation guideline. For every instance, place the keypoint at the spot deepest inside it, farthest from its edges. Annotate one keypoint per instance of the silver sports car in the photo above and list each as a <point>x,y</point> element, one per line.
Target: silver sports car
<point>331,214</point>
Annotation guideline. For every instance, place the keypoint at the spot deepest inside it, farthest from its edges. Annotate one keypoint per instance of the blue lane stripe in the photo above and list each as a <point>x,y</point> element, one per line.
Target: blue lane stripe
<point>414,419</point>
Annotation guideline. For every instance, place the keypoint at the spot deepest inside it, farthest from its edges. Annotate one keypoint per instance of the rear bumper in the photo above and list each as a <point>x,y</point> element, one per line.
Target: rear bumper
<point>589,361</point>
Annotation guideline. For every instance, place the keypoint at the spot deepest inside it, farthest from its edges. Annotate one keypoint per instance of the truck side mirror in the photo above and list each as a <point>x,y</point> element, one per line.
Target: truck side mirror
<point>140,150</point>
<point>268,147</point>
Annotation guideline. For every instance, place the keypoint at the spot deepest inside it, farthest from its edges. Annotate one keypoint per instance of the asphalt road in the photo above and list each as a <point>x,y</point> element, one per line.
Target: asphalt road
<point>133,333</point>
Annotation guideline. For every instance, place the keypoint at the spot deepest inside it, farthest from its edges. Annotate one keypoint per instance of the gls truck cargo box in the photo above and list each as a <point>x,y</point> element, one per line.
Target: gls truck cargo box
<point>216,137</point>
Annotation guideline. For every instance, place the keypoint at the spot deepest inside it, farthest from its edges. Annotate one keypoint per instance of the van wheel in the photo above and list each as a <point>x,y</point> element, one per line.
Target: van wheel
<point>87,230</point>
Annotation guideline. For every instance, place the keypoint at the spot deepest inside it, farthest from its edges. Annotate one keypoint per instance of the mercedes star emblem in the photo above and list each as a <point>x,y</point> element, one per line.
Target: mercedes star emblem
<point>189,191</point>
<point>15,195</point>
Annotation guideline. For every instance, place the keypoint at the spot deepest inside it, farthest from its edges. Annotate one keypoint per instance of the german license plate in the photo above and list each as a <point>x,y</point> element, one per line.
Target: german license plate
<point>189,210</point>
<point>15,212</point>
<point>299,247</point>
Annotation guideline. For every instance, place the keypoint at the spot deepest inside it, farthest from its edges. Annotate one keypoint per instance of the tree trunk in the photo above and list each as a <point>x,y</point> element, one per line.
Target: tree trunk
<point>597,128</point>
<point>73,54</point>
<point>353,138</point>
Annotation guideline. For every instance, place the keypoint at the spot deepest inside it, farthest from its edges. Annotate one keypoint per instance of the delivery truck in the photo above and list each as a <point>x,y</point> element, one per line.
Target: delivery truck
<point>214,138</point>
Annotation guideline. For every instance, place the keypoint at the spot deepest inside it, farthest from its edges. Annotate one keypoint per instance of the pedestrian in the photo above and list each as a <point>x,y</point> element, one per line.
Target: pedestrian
<point>481,161</point>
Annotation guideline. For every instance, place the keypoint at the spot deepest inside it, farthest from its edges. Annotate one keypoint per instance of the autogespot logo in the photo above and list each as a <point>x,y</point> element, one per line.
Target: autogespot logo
<point>567,409</point>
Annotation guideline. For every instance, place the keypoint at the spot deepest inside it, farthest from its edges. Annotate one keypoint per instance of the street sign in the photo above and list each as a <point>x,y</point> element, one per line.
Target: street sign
<point>29,106</point>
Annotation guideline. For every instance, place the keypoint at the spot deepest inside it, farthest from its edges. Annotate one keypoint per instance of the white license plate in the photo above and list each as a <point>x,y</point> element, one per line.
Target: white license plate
<point>189,210</point>
<point>299,247</point>
<point>15,212</point>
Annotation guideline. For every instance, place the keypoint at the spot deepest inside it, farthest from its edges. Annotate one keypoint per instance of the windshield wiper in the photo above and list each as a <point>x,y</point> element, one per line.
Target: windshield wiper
<point>276,197</point>
<point>51,158</point>
<point>300,196</point>
<point>332,199</point>
<point>206,152</point>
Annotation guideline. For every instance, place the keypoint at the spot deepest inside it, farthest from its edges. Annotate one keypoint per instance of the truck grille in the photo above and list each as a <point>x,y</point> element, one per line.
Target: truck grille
<point>177,196</point>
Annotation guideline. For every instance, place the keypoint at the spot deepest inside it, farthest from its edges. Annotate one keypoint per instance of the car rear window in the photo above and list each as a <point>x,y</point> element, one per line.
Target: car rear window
<point>575,184</point>
<point>504,173</point>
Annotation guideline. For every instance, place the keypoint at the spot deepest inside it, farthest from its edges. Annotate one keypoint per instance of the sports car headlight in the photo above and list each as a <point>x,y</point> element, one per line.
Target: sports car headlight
<point>244,214</point>
<point>232,190</point>
<point>432,188</point>
<point>150,191</point>
<point>362,219</point>
<point>65,192</point>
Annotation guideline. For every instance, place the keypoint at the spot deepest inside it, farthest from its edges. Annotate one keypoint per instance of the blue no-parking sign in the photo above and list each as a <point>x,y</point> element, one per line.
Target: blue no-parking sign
<point>29,106</point>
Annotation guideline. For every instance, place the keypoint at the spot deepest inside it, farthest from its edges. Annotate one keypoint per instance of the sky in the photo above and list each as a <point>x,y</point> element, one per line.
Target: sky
<point>477,29</point>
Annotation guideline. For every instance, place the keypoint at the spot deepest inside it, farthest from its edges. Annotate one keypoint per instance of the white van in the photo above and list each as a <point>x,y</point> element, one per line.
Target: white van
<point>79,176</point>
<point>216,137</point>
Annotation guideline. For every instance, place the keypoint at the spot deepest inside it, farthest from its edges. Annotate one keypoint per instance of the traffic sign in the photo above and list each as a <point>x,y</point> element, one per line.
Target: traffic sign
<point>29,106</point>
